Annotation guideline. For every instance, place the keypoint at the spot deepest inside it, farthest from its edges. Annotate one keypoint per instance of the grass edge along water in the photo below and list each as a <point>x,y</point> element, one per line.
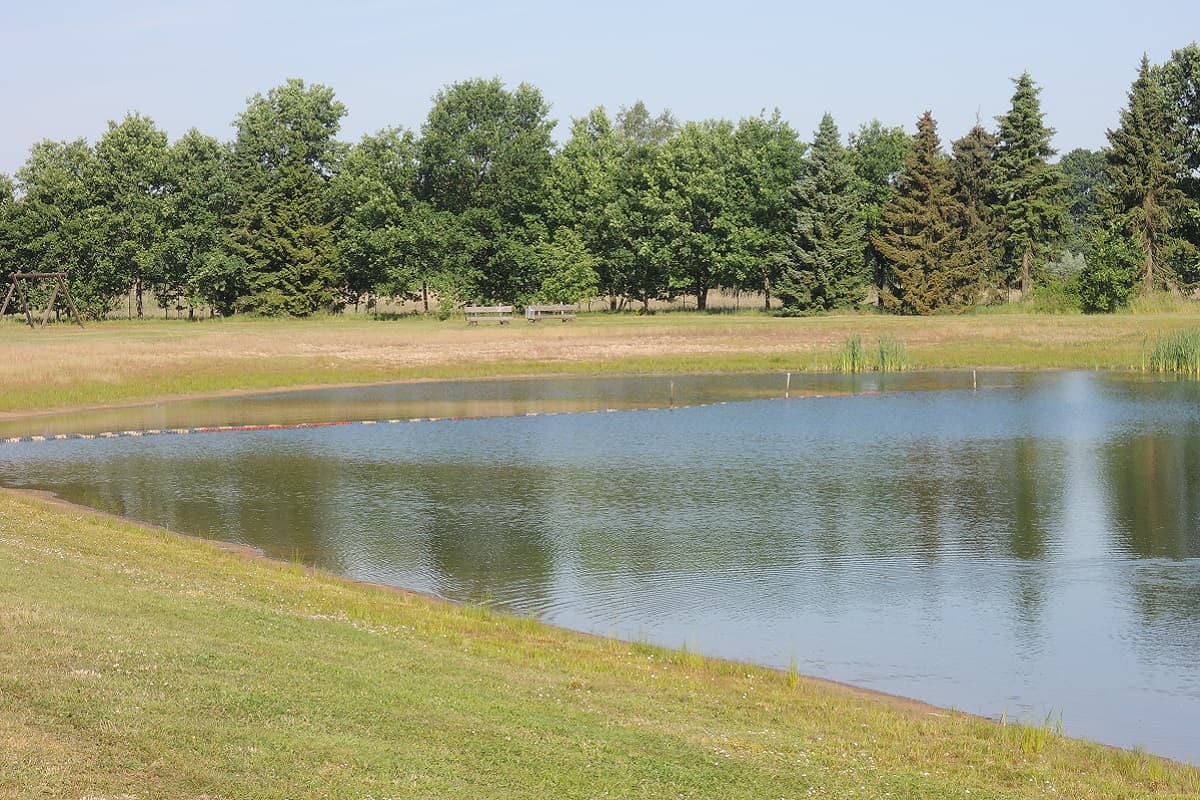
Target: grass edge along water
<point>113,626</point>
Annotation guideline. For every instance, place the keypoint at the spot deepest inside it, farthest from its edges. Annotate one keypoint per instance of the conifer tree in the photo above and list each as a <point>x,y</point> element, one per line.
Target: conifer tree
<point>974,166</point>
<point>280,246</point>
<point>287,240</point>
<point>1032,198</point>
<point>1143,198</point>
<point>824,268</point>
<point>933,261</point>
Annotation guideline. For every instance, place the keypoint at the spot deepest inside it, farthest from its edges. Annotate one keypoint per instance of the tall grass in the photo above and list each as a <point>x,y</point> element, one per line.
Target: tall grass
<point>889,355</point>
<point>1031,738</point>
<point>1177,352</point>
<point>854,359</point>
<point>892,355</point>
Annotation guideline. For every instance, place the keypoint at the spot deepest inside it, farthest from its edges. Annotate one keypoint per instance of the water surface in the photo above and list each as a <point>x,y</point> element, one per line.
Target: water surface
<point>1029,548</point>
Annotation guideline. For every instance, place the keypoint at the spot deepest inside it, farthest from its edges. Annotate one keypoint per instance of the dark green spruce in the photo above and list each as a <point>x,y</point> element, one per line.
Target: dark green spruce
<point>1032,200</point>
<point>824,266</point>
<point>934,262</point>
<point>1144,199</point>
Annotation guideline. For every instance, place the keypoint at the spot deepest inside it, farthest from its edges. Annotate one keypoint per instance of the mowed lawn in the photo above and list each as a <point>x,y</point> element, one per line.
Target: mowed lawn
<point>135,663</point>
<point>124,362</point>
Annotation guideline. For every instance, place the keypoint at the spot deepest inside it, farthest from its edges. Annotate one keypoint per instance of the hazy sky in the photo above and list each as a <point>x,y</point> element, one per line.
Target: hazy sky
<point>72,66</point>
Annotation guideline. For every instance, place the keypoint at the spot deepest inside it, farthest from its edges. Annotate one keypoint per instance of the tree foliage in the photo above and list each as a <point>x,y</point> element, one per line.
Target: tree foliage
<point>485,156</point>
<point>1085,176</point>
<point>1109,278</point>
<point>934,260</point>
<point>282,226</point>
<point>131,185</point>
<point>877,154</point>
<point>1032,202</point>
<point>1143,197</point>
<point>975,186</point>
<point>824,267</point>
<point>481,205</point>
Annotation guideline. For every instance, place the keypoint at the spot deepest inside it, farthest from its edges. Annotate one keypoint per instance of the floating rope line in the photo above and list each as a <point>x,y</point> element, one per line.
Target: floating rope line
<point>291,426</point>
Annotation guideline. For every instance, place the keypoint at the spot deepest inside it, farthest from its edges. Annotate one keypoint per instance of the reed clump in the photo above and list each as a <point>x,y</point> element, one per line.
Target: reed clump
<point>888,355</point>
<point>892,355</point>
<point>853,357</point>
<point>1176,352</point>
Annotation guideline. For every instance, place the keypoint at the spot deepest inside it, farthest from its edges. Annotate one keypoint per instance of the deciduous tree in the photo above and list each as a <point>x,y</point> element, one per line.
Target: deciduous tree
<point>198,206</point>
<point>373,197</point>
<point>693,199</point>
<point>768,158</point>
<point>282,229</point>
<point>57,224</point>
<point>1085,176</point>
<point>485,157</point>
<point>877,154</point>
<point>132,186</point>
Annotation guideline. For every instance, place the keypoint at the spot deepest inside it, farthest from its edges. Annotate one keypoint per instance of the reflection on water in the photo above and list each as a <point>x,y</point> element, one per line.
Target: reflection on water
<point>1026,548</point>
<point>457,399</point>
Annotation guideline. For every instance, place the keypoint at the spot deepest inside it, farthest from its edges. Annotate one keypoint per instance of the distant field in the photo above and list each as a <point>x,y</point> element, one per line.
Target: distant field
<point>122,362</point>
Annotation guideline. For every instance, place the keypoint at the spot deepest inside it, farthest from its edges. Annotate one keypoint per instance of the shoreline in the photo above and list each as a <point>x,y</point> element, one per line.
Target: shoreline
<point>902,703</point>
<point>16,417</point>
<point>250,552</point>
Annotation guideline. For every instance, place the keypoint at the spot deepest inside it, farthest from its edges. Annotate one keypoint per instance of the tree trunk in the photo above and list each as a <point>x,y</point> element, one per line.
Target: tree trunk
<point>425,295</point>
<point>701,298</point>
<point>766,292</point>
<point>1147,246</point>
<point>138,286</point>
<point>1026,270</point>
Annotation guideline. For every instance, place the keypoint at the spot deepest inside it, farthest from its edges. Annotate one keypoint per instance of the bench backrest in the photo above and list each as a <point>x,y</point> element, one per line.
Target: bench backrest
<point>533,312</point>
<point>481,310</point>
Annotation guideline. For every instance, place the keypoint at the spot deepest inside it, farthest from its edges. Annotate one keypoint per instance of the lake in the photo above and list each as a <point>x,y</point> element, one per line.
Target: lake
<point>1030,548</point>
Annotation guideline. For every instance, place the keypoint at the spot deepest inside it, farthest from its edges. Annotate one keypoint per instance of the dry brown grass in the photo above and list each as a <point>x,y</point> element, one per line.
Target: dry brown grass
<point>119,362</point>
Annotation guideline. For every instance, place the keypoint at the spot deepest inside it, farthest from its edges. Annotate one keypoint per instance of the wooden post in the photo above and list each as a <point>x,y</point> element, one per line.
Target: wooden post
<point>23,299</point>
<point>50,303</point>
<point>7,297</point>
<point>70,300</point>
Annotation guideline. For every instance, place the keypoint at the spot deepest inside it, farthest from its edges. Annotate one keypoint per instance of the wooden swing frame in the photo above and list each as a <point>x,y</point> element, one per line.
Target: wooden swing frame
<point>60,284</point>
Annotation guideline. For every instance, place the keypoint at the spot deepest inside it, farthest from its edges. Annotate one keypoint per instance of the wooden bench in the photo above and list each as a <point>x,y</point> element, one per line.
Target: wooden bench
<point>477,314</point>
<point>534,313</point>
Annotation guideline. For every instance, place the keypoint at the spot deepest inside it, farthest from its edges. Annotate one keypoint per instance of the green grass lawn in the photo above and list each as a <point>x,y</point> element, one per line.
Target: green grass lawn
<point>138,663</point>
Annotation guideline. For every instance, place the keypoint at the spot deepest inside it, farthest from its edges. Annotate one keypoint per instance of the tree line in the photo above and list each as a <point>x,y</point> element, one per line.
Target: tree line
<point>481,205</point>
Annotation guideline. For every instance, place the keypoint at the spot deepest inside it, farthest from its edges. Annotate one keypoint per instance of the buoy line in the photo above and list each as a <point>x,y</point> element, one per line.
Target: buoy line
<point>289,426</point>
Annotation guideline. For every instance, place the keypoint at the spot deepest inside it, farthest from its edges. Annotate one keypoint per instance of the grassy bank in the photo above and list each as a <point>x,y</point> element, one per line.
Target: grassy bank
<point>123,362</point>
<point>136,663</point>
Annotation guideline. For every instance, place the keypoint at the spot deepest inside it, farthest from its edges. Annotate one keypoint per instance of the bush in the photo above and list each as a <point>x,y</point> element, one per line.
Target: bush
<point>1109,279</point>
<point>1057,294</point>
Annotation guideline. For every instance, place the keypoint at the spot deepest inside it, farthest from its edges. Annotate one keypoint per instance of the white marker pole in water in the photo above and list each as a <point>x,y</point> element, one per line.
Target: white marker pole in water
<point>974,380</point>
<point>672,394</point>
<point>787,389</point>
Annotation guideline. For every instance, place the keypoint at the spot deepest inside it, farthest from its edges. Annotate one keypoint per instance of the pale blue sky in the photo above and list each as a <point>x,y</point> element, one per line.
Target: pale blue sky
<point>72,66</point>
